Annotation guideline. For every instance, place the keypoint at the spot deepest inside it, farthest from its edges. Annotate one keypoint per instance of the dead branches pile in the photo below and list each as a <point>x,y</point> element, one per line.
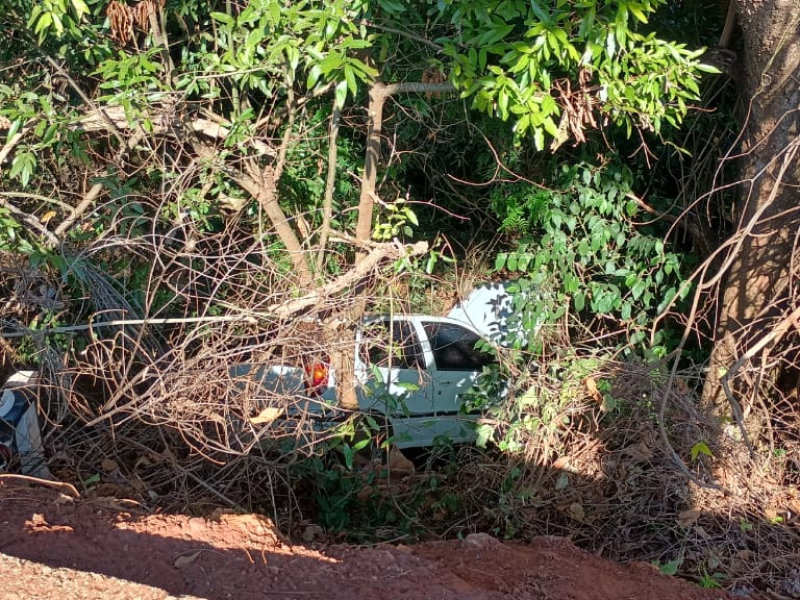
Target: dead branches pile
<point>173,364</point>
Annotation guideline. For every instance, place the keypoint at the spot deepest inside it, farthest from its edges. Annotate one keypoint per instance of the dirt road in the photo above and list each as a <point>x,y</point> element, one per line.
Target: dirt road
<point>55,547</point>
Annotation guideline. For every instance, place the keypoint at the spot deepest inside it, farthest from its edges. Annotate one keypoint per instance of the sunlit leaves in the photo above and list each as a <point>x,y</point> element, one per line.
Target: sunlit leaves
<point>508,57</point>
<point>585,248</point>
<point>396,221</point>
<point>272,43</point>
<point>56,15</point>
<point>501,63</point>
<point>23,167</point>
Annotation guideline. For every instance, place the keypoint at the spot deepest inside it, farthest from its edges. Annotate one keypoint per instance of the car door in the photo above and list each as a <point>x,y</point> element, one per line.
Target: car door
<point>457,363</point>
<point>392,369</point>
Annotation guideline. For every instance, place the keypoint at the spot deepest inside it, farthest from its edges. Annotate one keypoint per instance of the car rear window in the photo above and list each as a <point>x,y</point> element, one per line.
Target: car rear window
<point>454,348</point>
<point>385,340</point>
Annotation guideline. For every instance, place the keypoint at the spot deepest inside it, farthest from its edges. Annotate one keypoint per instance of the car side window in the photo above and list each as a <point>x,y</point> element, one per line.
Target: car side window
<point>396,339</point>
<point>454,348</point>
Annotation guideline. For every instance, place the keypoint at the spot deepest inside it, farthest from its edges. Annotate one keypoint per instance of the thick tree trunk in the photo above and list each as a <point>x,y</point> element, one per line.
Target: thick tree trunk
<point>757,293</point>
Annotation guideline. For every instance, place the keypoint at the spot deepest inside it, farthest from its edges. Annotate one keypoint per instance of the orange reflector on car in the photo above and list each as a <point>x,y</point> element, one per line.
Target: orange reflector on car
<point>317,378</point>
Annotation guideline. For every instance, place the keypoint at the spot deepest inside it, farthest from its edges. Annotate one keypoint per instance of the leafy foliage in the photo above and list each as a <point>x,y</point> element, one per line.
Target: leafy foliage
<point>582,247</point>
<point>513,56</point>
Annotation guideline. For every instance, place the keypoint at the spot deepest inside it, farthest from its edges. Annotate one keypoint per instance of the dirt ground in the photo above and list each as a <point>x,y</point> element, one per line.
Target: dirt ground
<point>54,546</point>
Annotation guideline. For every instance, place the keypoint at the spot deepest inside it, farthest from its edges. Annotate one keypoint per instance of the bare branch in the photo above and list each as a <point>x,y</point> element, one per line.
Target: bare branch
<point>379,253</point>
<point>30,220</point>
<point>79,210</point>
<point>161,121</point>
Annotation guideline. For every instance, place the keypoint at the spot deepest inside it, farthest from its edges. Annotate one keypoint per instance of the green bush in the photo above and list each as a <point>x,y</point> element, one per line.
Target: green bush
<point>583,247</point>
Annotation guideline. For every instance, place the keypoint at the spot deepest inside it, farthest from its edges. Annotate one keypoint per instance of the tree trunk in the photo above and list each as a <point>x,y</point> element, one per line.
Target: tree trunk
<point>757,293</point>
<point>378,94</point>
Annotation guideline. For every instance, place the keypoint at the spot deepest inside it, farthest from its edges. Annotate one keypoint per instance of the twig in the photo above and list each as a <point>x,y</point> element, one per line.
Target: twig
<point>662,429</point>
<point>351,278</point>
<point>773,337</point>
<point>31,220</point>
<point>56,485</point>
<point>62,205</point>
<point>407,34</point>
<point>126,322</point>
<point>78,211</point>
<point>185,472</point>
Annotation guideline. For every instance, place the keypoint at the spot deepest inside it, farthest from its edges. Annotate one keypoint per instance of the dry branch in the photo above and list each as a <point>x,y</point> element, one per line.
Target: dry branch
<point>162,122</point>
<point>380,253</point>
<point>31,220</point>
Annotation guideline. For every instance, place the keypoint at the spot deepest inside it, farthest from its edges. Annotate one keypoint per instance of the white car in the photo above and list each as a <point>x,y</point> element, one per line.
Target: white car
<point>411,370</point>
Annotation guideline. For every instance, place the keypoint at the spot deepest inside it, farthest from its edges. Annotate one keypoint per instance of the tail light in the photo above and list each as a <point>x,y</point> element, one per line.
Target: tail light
<point>316,378</point>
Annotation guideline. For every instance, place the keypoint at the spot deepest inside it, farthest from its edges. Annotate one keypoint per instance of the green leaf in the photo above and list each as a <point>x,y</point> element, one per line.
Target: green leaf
<point>313,76</point>
<point>637,12</point>
<point>498,32</point>
<point>23,167</point>
<point>670,568</point>
<point>707,68</point>
<point>372,423</point>
<point>638,289</point>
<point>502,104</point>
<point>94,479</point>
<point>512,262</point>
<point>43,23</point>
<point>350,78</point>
<point>361,444</point>
<point>625,313</point>
<point>16,125</point>
<point>483,435</point>
<point>392,6</point>
<point>80,8</point>
<point>341,93</point>
<point>579,301</point>
<point>332,62</point>
<point>538,139</point>
<point>544,17</point>
<point>348,455</point>
<point>701,448</point>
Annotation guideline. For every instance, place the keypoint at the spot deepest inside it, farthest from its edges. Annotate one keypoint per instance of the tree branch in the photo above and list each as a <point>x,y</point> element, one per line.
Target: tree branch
<point>159,117</point>
<point>31,221</point>
<point>330,184</point>
<point>379,253</point>
<point>411,87</point>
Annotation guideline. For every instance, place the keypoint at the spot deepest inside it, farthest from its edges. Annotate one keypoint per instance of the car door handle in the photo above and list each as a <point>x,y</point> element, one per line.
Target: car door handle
<point>446,381</point>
